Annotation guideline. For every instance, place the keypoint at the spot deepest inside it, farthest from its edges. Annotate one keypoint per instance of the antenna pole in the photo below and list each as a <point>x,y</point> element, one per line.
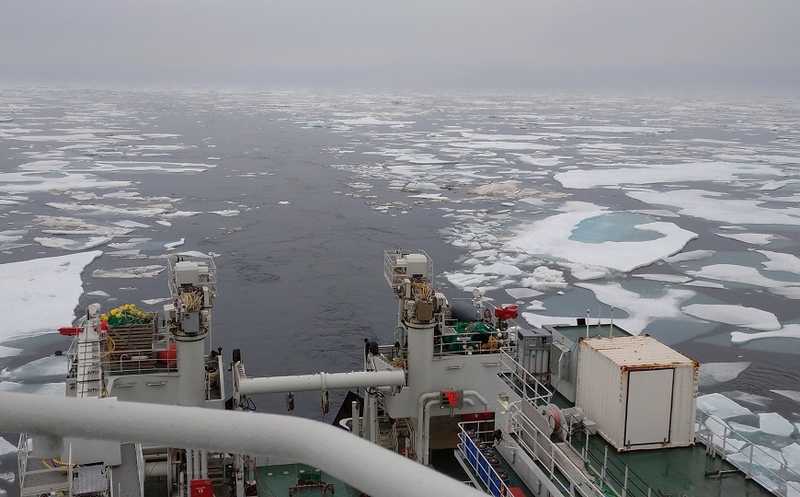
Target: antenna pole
<point>587,323</point>
<point>611,326</point>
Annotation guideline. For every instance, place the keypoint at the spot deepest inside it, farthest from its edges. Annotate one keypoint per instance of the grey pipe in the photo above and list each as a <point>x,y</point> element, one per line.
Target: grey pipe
<point>367,467</point>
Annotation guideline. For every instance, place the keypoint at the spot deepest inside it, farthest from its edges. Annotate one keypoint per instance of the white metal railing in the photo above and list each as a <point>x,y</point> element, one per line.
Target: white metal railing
<point>563,473</point>
<point>617,478</point>
<point>136,362</point>
<point>756,464</point>
<point>23,452</point>
<point>462,345</point>
<point>471,438</point>
<point>141,464</point>
<point>532,390</point>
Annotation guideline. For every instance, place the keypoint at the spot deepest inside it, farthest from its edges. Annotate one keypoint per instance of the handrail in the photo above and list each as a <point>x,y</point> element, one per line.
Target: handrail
<point>359,463</point>
<point>465,347</point>
<point>528,381</point>
<point>556,460</point>
<point>614,475</point>
<point>476,459</point>
<point>725,446</point>
<point>23,452</point>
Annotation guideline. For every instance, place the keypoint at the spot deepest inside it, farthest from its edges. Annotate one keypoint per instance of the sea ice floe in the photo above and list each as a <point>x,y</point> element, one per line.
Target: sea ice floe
<point>71,243</point>
<point>164,223</point>
<point>498,189</point>
<point>503,145</point>
<point>716,404</point>
<point>714,207</point>
<point>498,268</point>
<point>39,368</point>
<point>775,424</point>
<point>597,128</point>
<point>226,212</point>
<point>71,226</point>
<point>147,166</point>
<point>624,174</point>
<point>791,454</point>
<point>748,276</point>
<point>373,121</point>
<point>540,320</point>
<point>735,273</point>
<point>131,244</point>
<point>747,317</point>
<point>689,256</point>
<point>468,281</point>
<point>125,223</point>
<point>97,293</point>
<point>175,214</point>
<point>789,394</point>
<point>155,301</point>
<point>713,373</point>
<point>522,293</point>
<point>641,310</point>
<point>543,277</point>
<point>175,244</point>
<point>704,284</point>
<point>54,388</point>
<point>788,331</point>
<point>129,272</point>
<point>749,398</point>
<point>102,209</point>
<point>538,161</point>
<point>43,292</point>
<point>32,182</point>
<point>9,477</point>
<point>6,447</point>
<point>44,165</point>
<point>9,351</point>
<point>666,278</point>
<point>554,237</point>
<point>779,261</point>
<point>751,238</point>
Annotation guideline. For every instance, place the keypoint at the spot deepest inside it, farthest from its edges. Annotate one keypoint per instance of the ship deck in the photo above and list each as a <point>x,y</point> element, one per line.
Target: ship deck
<point>290,480</point>
<point>679,471</point>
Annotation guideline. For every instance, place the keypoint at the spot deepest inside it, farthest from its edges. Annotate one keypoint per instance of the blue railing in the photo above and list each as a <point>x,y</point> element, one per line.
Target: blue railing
<point>481,467</point>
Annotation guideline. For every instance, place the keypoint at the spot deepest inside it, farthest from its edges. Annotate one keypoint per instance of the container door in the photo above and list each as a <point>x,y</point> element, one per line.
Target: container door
<point>648,414</point>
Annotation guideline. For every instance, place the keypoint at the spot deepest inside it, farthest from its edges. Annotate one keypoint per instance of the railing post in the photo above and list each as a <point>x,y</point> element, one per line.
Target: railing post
<point>586,446</point>
<point>605,465</point>
<point>724,439</point>
<point>750,465</point>
<point>625,483</point>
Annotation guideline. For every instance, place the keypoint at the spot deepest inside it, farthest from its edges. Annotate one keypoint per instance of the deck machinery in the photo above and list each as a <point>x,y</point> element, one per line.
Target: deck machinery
<point>508,409</point>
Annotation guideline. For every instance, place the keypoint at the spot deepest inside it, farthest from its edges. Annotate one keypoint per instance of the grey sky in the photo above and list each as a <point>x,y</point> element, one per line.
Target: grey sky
<point>436,43</point>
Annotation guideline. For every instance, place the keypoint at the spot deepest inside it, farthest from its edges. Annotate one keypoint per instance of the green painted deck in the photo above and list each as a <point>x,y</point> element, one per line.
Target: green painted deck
<point>676,472</point>
<point>278,481</point>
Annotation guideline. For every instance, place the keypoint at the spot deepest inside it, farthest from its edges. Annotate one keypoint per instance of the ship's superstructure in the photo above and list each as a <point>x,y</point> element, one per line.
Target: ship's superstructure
<point>164,359</point>
<point>579,409</point>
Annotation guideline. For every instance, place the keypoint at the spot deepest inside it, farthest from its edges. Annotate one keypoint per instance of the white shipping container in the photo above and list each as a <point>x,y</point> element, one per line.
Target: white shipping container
<point>639,392</point>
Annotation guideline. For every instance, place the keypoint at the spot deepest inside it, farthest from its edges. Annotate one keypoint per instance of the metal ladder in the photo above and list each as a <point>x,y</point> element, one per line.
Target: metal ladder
<point>90,370</point>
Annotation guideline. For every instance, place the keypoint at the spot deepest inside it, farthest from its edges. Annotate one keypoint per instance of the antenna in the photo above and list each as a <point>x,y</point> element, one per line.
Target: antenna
<point>611,326</point>
<point>588,313</point>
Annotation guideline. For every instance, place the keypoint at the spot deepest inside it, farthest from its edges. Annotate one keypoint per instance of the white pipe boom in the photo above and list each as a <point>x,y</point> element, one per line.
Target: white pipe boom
<point>322,381</point>
<point>363,465</point>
